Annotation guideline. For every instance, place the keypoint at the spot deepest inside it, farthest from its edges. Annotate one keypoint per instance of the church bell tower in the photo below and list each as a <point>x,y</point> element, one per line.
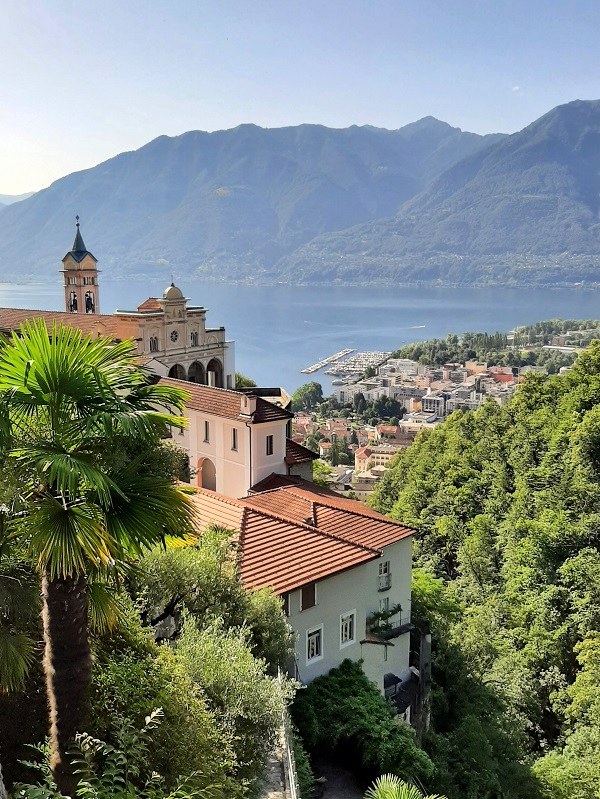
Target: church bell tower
<point>80,278</point>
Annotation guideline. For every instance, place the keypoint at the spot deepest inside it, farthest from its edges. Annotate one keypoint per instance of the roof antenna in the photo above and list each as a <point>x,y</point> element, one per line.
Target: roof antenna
<point>77,220</point>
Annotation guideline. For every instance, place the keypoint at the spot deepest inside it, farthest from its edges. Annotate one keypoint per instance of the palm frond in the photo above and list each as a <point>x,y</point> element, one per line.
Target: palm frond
<point>104,608</point>
<point>16,658</point>
<point>64,539</point>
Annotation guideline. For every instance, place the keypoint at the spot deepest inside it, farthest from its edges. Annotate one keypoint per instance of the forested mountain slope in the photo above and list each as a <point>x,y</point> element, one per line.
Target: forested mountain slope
<point>524,210</point>
<point>227,204</point>
<point>507,504</point>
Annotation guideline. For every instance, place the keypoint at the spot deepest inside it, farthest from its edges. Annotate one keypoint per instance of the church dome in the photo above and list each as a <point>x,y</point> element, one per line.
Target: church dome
<point>172,293</point>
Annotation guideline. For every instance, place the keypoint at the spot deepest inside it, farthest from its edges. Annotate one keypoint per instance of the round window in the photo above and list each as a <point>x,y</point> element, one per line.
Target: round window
<point>174,335</point>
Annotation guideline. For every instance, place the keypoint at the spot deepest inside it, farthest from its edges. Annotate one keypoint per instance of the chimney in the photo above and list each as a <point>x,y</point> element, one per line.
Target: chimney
<point>248,404</point>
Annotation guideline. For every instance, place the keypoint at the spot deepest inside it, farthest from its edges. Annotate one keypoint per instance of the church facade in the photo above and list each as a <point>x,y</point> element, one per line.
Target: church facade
<point>171,336</point>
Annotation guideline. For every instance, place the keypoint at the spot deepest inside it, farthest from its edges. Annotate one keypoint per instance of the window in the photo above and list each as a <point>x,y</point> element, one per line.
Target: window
<point>384,604</point>
<point>207,432</point>
<point>347,628</point>
<point>234,438</point>
<point>314,644</point>
<point>308,596</point>
<point>153,343</point>
<point>385,576</point>
<point>269,445</point>
<point>194,338</point>
<point>88,281</point>
<point>72,281</point>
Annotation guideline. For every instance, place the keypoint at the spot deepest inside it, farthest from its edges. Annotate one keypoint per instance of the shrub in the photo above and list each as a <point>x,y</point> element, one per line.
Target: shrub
<point>344,712</point>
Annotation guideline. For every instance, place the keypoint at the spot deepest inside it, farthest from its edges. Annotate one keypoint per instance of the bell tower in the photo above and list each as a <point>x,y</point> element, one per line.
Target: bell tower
<point>80,275</point>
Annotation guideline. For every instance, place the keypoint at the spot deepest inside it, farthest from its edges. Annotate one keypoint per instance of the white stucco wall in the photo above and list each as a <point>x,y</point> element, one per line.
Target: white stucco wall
<point>236,470</point>
<point>262,464</point>
<point>355,589</point>
<point>232,466</point>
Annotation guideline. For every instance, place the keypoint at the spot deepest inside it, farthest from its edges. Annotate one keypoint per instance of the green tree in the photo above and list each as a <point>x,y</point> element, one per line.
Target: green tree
<point>242,381</point>
<point>70,405</point>
<point>307,397</point>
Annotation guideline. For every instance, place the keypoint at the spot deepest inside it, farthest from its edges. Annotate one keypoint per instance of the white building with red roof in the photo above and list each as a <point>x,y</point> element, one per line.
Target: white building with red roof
<point>334,562</point>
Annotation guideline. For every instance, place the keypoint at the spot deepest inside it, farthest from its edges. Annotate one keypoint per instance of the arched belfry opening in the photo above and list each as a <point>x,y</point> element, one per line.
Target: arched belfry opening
<point>80,276</point>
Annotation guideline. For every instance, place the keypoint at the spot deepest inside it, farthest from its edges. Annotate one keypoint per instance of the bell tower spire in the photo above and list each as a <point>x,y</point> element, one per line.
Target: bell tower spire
<point>80,275</point>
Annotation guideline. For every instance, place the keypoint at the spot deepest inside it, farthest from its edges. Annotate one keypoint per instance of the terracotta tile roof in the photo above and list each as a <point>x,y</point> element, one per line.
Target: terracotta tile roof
<point>347,518</point>
<point>364,452</point>
<point>151,304</point>
<point>95,324</point>
<point>296,453</point>
<point>275,551</point>
<point>225,402</point>
<point>274,480</point>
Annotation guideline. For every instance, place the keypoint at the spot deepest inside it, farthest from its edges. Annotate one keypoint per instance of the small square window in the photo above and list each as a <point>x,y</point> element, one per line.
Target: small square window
<point>347,628</point>
<point>207,432</point>
<point>269,445</point>
<point>308,596</point>
<point>314,644</point>
<point>234,438</point>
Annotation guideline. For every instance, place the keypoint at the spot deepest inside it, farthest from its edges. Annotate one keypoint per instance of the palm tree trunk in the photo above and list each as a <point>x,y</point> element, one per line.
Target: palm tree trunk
<point>67,666</point>
<point>3,793</point>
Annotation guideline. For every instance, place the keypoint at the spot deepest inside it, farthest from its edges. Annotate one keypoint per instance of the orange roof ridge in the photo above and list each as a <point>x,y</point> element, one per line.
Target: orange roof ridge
<point>238,503</point>
<point>318,500</point>
<point>189,384</point>
<point>313,529</point>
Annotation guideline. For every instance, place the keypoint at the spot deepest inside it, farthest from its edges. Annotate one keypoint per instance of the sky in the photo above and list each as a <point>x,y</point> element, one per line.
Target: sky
<point>83,80</point>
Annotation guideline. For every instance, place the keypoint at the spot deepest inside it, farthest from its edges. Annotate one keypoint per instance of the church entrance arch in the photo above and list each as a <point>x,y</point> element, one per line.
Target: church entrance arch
<point>196,373</point>
<point>207,474</point>
<point>178,372</point>
<point>214,373</point>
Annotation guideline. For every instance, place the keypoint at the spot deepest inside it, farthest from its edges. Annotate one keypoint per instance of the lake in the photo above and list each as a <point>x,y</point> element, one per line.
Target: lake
<point>279,330</point>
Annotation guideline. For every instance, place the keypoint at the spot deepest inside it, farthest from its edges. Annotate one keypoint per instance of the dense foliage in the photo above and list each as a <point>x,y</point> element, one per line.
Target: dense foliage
<point>492,348</point>
<point>507,504</point>
<point>343,712</point>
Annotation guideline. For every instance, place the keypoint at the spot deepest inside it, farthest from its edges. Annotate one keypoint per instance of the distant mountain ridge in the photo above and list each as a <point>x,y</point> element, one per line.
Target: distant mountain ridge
<point>9,199</point>
<point>525,210</point>
<point>229,204</point>
<point>425,203</point>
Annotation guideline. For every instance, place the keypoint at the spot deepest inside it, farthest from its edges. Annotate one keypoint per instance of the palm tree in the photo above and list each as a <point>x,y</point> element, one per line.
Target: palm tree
<point>388,786</point>
<point>74,410</point>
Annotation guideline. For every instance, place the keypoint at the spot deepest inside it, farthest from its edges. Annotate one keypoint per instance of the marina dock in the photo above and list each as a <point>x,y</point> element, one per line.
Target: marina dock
<point>331,359</point>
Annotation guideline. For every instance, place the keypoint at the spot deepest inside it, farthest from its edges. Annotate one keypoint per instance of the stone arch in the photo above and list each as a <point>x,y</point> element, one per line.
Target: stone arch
<point>214,373</point>
<point>196,373</point>
<point>207,474</point>
<point>178,372</point>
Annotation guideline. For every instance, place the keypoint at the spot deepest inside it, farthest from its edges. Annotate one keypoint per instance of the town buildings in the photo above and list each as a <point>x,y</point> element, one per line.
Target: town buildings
<point>333,561</point>
<point>171,336</point>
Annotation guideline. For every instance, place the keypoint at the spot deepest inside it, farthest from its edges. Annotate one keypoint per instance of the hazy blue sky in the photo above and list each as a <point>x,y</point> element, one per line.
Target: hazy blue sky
<point>82,80</point>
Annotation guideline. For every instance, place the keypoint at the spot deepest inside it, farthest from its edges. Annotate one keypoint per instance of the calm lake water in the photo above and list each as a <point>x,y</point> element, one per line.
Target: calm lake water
<point>279,330</point>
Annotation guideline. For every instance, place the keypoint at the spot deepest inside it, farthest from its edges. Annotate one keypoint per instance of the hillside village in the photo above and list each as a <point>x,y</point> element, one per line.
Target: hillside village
<point>426,395</point>
<point>335,597</point>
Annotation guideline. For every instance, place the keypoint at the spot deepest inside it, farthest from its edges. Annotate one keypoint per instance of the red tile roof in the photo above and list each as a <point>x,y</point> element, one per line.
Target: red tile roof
<point>296,453</point>
<point>225,402</point>
<point>275,551</point>
<point>151,304</point>
<point>110,325</point>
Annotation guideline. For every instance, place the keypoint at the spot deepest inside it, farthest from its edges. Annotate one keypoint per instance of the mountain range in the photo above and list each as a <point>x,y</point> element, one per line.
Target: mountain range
<point>424,203</point>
